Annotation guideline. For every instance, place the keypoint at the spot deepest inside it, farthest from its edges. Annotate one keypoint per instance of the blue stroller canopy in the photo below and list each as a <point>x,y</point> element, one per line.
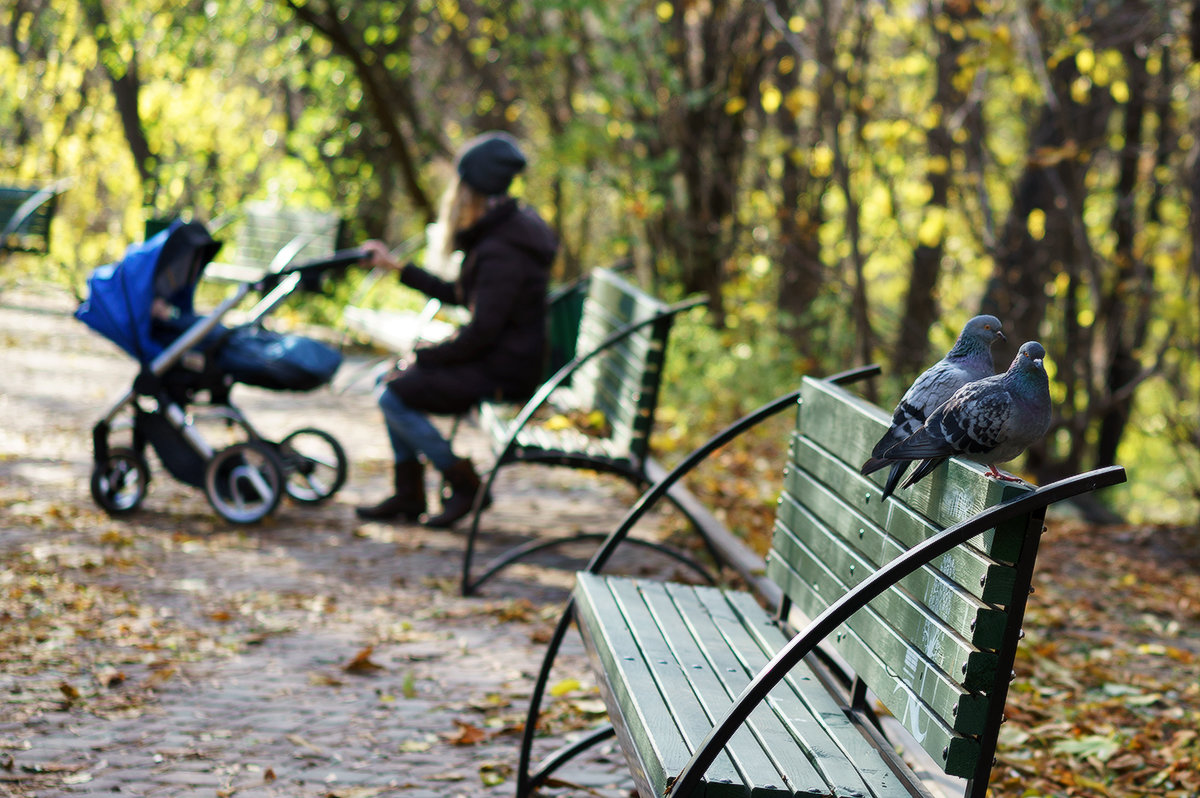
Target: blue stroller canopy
<point>120,295</point>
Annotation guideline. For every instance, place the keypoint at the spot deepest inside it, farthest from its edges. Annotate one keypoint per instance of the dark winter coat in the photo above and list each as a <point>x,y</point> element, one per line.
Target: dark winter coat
<point>500,353</point>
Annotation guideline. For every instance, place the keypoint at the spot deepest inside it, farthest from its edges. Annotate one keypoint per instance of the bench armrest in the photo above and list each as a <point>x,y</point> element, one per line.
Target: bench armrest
<point>840,610</point>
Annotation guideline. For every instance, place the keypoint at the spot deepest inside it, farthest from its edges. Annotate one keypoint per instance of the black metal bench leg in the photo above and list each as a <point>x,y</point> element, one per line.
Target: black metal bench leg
<point>467,586</point>
<point>528,781</point>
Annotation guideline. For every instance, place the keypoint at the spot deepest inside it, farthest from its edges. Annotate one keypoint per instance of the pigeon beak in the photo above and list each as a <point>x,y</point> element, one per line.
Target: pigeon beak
<point>1001,336</point>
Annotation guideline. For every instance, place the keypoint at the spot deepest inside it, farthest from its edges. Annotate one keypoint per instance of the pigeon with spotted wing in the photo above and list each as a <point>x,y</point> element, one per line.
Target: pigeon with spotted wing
<point>968,360</point>
<point>988,421</point>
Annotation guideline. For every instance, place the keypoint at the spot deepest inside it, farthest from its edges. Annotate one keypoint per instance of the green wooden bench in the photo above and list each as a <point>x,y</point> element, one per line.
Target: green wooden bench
<point>614,372</point>
<point>25,216</point>
<point>914,604</point>
<point>268,238</point>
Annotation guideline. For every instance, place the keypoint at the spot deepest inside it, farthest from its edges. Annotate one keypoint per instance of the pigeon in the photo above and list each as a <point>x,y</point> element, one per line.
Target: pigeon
<point>968,360</point>
<point>988,421</point>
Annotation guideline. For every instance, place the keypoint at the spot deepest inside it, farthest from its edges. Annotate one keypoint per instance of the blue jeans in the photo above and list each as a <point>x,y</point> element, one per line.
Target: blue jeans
<point>411,432</point>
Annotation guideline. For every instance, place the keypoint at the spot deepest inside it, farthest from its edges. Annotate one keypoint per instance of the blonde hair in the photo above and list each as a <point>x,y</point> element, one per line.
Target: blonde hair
<point>461,207</point>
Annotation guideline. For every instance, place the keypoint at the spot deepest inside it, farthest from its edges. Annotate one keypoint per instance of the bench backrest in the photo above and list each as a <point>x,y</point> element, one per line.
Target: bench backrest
<point>32,233</point>
<point>931,647</point>
<point>623,381</point>
<point>266,231</point>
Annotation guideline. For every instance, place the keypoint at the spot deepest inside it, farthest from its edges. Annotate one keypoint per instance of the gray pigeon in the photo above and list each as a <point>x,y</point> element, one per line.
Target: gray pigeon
<point>988,421</point>
<point>968,360</point>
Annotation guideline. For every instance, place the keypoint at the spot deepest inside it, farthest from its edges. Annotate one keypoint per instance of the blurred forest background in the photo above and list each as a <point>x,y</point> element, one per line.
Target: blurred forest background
<point>848,180</point>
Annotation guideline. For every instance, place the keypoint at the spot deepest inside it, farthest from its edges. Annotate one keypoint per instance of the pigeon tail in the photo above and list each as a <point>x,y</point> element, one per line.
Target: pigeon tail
<point>894,476</point>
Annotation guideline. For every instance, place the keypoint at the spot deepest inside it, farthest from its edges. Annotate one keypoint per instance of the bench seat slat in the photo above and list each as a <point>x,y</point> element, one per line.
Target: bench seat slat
<point>714,640</point>
<point>650,719</point>
<point>762,639</point>
<point>737,657</point>
<point>649,607</point>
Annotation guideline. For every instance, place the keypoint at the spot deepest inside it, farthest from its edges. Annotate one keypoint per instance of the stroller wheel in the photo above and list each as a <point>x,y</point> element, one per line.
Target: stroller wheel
<point>244,482</point>
<point>314,464</point>
<point>119,481</point>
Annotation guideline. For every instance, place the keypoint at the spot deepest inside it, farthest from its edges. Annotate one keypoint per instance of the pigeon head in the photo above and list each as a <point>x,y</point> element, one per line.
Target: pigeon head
<point>1031,355</point>
<point>977,337</point>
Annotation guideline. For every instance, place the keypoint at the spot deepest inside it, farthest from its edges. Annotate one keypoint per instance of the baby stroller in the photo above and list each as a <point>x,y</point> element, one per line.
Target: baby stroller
<point>144,304</point>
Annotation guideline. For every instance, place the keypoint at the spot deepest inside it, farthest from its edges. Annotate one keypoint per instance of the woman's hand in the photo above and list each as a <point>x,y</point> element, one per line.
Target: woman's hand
<point>378,255</point>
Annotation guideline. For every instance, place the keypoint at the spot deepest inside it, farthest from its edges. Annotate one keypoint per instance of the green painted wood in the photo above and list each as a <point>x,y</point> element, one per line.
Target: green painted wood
<point>644,674</point>
<point>755,768</point>
<point>622,382</point>
<point>652,743</point>
<point>32,233</point>
<point>756,638</point>
<point>849,426</point>
<point>955,588</point>
<point>983,578</point>
<point>799,745</point>
<point>899,670</point>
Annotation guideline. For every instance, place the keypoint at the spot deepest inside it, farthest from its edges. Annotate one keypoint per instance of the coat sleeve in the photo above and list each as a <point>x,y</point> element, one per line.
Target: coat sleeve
<point>497,287</point>
<point>430,284</point>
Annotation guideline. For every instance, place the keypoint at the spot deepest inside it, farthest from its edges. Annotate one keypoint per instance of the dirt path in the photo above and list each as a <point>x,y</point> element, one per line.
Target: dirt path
<point>169,654</point>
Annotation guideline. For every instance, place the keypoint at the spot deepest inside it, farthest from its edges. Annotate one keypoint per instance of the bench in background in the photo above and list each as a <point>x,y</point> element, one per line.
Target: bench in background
<point>25,216</point>
<point>613,374</point>
<point>268,238</point>
<point>915,603</point>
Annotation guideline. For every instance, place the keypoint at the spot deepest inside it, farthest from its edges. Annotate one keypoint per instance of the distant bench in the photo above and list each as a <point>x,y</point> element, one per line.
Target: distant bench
<point>269,238</point>
<point>596,412</point>
<point>916,602</point>
<point>25,216</point>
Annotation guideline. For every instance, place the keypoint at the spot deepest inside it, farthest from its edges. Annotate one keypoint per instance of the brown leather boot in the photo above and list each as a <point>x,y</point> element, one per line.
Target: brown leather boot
<point>407,503</point>
<point>464,484</point>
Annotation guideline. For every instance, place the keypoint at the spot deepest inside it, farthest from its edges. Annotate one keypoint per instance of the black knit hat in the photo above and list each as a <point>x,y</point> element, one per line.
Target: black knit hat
<point>489,162</point>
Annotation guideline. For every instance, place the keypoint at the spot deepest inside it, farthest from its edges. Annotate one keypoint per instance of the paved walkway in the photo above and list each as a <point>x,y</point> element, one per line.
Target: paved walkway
<point>167,654</point>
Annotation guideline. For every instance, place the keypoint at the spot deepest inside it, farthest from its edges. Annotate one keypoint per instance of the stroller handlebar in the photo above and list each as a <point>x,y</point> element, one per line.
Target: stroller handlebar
<point>310,271</point>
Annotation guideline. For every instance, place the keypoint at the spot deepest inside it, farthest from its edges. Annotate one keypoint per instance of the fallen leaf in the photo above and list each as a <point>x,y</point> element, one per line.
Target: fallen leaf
<point>564,687</point>
<point>159,677</point>
<point>361,664</point>
<point>109,677</point>
<point>324,680</point>
<point>468,734</point>
<point>269,775</point>
<point>297,740</point>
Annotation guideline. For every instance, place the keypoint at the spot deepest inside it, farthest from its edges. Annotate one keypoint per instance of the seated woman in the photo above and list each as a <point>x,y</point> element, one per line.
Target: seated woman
<point>498,354</point>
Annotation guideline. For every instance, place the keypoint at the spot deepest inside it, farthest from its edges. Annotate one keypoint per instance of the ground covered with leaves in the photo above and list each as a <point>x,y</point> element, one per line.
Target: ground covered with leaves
<point>1107,701</point>
<point>110,623</point>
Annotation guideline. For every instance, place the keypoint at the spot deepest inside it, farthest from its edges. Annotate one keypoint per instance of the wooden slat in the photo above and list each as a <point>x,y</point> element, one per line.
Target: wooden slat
<point>32,234</point>
<point>981,578</point>
<point>873,647</point>
<point>756,639</point>
<point>718,631</point>
<point>850,426</point>
<point>647,695</point>
<point>647,604</point>
<point>957,598</point>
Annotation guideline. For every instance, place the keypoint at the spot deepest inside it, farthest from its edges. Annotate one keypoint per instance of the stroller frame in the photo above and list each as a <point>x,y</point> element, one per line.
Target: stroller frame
<point>243,482</point>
